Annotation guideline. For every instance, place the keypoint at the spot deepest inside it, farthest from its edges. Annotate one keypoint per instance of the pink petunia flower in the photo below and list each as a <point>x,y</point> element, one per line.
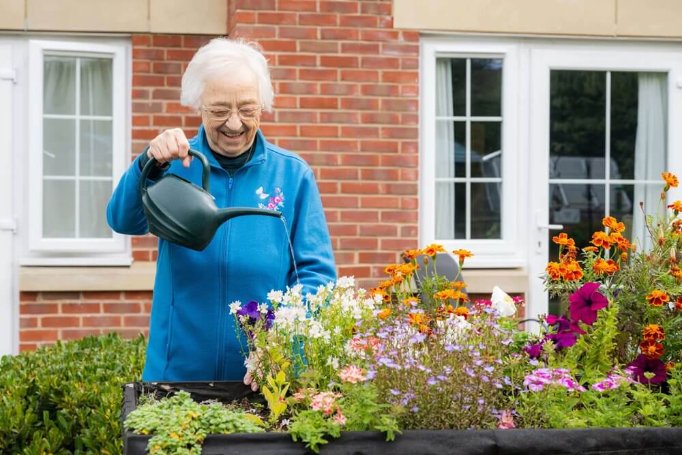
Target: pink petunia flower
<point>586,302</point>
<point>352,374</point>
<point>325,402</point>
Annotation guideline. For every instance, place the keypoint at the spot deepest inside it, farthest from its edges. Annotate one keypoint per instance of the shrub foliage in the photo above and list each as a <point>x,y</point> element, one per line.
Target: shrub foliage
<point>66,398</point>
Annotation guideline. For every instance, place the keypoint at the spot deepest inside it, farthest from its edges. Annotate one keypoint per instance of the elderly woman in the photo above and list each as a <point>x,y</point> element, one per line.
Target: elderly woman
<point>192,336</point>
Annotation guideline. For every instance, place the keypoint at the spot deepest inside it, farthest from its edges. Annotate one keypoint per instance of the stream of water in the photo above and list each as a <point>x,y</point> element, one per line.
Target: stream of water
<point>291,248</point>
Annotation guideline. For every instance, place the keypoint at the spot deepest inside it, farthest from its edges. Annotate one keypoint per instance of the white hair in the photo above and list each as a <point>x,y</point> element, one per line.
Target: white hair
<point>219,57</point>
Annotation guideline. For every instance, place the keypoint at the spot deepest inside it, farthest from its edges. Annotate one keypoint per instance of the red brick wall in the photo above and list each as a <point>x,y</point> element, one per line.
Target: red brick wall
<point>49,316</point>
<point>346,87</point>
<point>347,101</point>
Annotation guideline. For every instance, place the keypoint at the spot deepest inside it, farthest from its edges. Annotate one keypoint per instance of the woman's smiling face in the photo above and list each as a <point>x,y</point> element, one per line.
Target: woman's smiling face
<point>230,133</point>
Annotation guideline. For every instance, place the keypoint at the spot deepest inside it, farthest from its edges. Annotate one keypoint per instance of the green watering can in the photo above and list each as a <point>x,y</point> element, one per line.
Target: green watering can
<point>182,213</point>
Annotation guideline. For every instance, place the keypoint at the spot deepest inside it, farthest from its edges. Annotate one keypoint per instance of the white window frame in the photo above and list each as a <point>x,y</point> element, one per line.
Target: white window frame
<point>509,250</point>
<point>42,251</point>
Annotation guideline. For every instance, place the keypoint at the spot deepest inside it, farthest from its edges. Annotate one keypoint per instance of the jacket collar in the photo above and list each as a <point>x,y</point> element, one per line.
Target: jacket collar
<point>200,143</point>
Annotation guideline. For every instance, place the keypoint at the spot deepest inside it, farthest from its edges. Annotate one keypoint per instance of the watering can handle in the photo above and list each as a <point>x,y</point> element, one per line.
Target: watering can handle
<point>204,176</point>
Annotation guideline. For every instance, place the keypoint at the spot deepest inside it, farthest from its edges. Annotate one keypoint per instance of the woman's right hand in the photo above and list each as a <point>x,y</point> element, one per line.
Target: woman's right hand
<point>170,145</point>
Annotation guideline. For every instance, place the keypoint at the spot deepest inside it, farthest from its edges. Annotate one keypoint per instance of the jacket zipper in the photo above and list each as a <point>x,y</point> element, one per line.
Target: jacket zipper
<point>221,368</point>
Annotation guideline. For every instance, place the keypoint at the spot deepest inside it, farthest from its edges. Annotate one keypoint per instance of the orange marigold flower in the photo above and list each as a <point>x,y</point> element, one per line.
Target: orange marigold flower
<point>417,318</point>
<point>385,284</point>
<point>385,313</point>
<point>561,239</point>
<point>411,254</point>
<point>445,294</point>
<point>613,224</point>
<point>573,271</point>
<point>602,266</point>
<point>653,332</point>
<point>425,329</point>
<point>676,206</point>
<point>462,311</point>
<point>678,303</point>
<point>591,249</point>
<point>433,249</point>
<point>623,257</point>
<point>390,269</point>
<point>406,269</point>
<point>657,297</point>
<point>601,239</point>
<point>670,180</point>
<point>651,349</point>
<point>462,254</point>
<point>621,242</point>
<point>554,270</point>
<point>669,366</point>
<point>458,285</point>
<point>453,294</point>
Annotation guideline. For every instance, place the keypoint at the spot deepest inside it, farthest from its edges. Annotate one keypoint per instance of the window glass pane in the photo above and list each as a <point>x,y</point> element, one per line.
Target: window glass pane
<point>59,147</point>
<point>579,208</point>
<point>624,90</point>
<point>93,201</point>
<point>485,145</point>
<point>456,74</point>
<point>485,211</point>
<point>460,149</point>
<point>486,87</point>
<point>450,211</point>
<point>577,114</point>
<point>59,85</point>
<point>59,220</point>
<point>445,138</point>
<point>96,152</point>
<point>96,86</point>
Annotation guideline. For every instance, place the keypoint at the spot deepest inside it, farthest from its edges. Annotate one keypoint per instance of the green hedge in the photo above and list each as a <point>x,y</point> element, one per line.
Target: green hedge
<point>66,398</point>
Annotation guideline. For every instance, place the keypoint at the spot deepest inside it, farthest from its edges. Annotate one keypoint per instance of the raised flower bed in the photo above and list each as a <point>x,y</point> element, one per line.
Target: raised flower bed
<point>347,369</point>
<point>521,441</point>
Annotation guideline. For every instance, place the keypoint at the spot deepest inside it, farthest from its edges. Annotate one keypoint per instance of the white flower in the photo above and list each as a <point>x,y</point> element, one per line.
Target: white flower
<point>275,296</point>
<point>345,282</point>
<point>333,362</point>
<point>235,306</point>
<point>503,303</point>
<point>263,308</point>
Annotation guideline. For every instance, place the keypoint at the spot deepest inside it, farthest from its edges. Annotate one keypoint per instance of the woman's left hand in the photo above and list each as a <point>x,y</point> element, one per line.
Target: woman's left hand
<point>252,365</point>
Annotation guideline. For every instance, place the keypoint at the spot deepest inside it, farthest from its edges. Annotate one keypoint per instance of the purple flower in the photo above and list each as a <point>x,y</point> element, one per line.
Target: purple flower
<point>250,314</point>
<point>566,331</point>
<point>534,350</point>
<point>250,310</point>
<point>643,366</point>
<point>585,302</point>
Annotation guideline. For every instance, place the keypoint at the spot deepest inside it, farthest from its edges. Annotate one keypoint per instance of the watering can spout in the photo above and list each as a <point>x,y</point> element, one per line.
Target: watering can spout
<point>229,213</point>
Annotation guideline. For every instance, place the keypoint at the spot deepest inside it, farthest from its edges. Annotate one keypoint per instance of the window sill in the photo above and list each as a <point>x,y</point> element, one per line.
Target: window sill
<point>482,281</point>
<point>138,277</point>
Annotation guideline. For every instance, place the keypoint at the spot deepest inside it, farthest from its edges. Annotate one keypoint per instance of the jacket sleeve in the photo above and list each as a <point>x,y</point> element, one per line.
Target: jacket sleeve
<point>124,210</point>
<point>310,238</point>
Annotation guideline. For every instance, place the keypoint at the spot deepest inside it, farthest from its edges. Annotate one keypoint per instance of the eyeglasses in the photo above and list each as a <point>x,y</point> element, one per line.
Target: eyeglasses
<point>221,114</point>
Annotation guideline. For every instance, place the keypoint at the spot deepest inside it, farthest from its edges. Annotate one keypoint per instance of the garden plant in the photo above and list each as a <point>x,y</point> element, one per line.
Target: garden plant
<point>401,357</point>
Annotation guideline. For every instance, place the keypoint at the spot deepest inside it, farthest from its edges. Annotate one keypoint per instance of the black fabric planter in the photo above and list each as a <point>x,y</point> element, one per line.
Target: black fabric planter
<point>625,441</point>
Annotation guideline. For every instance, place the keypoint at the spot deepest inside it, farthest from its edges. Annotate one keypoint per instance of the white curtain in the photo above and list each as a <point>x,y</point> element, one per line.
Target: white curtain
<point>445,152</point>
<point>95,145</point>
<point>650,150</point>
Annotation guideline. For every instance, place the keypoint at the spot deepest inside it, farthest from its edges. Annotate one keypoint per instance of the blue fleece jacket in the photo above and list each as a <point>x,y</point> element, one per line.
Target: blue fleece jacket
<point>192,336</point>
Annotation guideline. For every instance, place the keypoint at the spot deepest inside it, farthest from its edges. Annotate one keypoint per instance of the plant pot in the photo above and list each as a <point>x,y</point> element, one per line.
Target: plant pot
<point>633,441</point>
